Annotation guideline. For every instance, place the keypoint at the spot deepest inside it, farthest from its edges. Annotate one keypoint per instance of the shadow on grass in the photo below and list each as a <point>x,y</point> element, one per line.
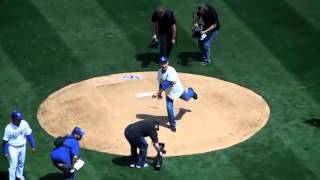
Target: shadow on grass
<point>147,58</point>
<point>4,175</point>
<point>313,121</point>
<point>121,161</point>
<point>52,176</point>
<point>186,57</point>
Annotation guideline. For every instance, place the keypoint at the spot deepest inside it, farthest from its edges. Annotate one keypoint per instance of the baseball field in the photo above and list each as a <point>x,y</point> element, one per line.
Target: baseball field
<point>268,47</point>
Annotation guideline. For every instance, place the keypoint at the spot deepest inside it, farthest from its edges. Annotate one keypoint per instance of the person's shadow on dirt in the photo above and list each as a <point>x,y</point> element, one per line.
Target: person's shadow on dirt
<point>163,120</point>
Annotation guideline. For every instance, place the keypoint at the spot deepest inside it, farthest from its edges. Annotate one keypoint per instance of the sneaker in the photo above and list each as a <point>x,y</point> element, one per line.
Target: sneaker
<point>173,129</point>
<point>145,165</point>
<point>132,165</point>
<point>205,63</point>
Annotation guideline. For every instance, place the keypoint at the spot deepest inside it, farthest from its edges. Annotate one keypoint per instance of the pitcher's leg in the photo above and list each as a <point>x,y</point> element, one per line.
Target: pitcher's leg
<point>170,112</point>
<point>188,94</point>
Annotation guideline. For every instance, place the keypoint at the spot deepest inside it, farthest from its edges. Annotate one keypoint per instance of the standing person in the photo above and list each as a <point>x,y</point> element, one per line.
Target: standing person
<point>164,29</point>
<point>135,134</point>
<point>66,154</point>
<point>170,83</point>
<point>211,27</point>
<point>16,134</point>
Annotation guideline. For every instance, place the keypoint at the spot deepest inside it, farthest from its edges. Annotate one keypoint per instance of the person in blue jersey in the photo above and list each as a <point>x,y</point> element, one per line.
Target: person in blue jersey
<point>65,155</point>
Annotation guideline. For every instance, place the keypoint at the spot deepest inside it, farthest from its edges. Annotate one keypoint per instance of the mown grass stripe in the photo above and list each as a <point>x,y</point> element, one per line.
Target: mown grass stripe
<point>91,35</point>
<point>287,35</point>
<point>45,62</point>
<point>36,49</point>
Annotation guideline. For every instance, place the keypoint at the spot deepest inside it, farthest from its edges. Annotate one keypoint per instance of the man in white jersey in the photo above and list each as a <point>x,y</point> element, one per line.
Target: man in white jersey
<point>15,136</point>
<point>170,83</point>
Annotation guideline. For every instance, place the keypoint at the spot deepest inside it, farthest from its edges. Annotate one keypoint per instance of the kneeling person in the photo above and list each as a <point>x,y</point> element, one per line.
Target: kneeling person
<point>64,156</point>
<point>135,134</point>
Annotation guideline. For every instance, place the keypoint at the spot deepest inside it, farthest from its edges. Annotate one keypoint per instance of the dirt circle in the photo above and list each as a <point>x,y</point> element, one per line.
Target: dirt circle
<point>224,114</point>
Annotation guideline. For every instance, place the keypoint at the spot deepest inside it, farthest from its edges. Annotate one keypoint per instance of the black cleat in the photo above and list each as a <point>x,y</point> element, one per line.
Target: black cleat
<point>173,129</point>
<point>195,96</point>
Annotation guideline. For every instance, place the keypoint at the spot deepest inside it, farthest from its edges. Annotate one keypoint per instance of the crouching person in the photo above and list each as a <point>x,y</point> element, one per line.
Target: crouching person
<point>65,156</point>
<point>135,134</point>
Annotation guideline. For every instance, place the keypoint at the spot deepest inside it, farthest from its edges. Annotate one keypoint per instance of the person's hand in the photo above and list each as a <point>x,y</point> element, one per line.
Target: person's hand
<point>155,37</point>
<point>203,32</point>
<point>7,156</point>
<point>33,150</point>
<point>155,95</point>
<point>173,41</point>
<point>72,170</point>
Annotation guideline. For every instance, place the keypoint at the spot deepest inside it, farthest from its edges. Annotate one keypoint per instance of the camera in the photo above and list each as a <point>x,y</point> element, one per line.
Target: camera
<point>157,161</point>
<point>196,31</point>
<point>154,43</point>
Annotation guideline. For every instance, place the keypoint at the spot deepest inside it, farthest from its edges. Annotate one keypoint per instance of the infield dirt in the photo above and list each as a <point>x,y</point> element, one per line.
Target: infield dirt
<point>224,114</point>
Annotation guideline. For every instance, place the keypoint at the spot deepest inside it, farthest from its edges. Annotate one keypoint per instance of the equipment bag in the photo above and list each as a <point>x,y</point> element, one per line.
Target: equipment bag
<point>59,141</point>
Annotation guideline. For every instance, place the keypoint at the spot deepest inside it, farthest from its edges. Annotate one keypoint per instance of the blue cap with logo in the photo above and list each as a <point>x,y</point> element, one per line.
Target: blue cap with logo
<point>16,115</point>
<point>78,131</point>
<point>163,59</point>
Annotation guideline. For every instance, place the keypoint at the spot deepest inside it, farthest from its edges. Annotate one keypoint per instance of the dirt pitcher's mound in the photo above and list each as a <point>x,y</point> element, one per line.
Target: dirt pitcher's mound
<point>223,115</point>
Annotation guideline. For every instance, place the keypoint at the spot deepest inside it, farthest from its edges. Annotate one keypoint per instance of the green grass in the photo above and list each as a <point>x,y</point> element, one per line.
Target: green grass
<point>46,45</point>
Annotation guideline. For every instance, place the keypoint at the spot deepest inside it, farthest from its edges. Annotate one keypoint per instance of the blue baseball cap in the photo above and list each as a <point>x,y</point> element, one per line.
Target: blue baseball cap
<point>16,115</point>
<point>78,131</point>
<point>163,59</point>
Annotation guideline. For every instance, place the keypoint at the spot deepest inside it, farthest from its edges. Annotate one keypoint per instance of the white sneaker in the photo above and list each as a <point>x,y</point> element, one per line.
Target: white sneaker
<point>145,165</point>
<point>21,178</point>
<point>132,165</point>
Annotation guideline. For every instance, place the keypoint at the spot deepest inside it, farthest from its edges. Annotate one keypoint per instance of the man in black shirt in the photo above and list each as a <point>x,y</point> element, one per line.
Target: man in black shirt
<point>135,134</point>
<point>211,27</point>
<point>164,29</point>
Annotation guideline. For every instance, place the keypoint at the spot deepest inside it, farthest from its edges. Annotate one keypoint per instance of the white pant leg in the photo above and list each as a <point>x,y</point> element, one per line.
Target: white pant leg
<point>13,152</point>
<point>20,165</point>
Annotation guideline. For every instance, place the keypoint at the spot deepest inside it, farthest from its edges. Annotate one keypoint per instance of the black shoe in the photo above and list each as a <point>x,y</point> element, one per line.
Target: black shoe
<point>173,129</point>
<point>195,96</point>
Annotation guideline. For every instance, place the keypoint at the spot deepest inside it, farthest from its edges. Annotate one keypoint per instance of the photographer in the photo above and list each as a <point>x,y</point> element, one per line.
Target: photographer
<point>211,26</point>
<point>135,134</point>
<point>164,29</point>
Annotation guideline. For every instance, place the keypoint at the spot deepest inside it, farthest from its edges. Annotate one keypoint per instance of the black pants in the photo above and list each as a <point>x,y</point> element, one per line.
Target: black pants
<point>135,144</point>
<point>165,45</point>
<point>65,168</point>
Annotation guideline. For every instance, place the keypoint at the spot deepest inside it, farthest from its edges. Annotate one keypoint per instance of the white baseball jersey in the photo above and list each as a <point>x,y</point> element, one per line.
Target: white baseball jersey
<point>171,74</point>
<point>16,135</point>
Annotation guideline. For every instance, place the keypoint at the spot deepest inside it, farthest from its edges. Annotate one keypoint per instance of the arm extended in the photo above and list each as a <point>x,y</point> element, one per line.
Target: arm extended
<point>5,148</point>
<point>31,141</point>
<point>162,87</point>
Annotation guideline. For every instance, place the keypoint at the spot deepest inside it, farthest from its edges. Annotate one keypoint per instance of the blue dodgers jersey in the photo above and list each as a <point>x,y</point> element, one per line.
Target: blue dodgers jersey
<point>65,153</point>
